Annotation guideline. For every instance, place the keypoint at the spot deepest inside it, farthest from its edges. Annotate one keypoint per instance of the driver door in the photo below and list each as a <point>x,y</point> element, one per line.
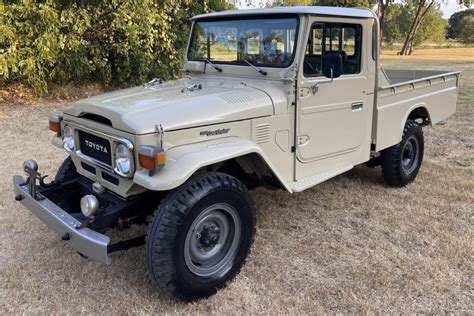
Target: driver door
<point>331,115</point>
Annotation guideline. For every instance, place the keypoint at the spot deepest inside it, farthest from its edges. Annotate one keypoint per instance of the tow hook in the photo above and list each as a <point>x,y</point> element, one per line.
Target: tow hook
<point>31,168</point>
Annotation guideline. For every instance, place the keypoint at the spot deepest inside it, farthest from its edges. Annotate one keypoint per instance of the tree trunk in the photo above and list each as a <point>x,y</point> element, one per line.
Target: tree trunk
<point>381,11</point>
<point>407,48</point>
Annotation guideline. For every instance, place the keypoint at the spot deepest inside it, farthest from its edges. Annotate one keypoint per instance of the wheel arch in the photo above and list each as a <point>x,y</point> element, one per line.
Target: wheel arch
<point>418,113</point>
<point>184,161</point>
<point>251,169</point>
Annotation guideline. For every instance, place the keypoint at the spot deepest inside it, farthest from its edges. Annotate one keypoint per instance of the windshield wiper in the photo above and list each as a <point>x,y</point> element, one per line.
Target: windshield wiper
<point>207,61</point>
<point>255,67</point>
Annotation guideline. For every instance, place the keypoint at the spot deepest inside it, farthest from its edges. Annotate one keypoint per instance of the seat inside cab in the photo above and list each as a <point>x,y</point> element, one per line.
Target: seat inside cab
<point>344,39</point>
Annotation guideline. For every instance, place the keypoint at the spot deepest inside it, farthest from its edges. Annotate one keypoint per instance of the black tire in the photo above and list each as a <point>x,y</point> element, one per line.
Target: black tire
<point>401,163</point>
<point>66,172</point>
<point>170,234</point>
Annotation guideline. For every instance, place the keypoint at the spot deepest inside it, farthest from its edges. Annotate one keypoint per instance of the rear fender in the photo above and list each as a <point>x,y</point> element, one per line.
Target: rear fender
<point>183,161</point>
<point>417,106</point>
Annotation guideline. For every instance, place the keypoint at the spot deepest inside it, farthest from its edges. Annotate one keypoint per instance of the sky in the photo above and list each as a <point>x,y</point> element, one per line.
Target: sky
<point>447,6</point>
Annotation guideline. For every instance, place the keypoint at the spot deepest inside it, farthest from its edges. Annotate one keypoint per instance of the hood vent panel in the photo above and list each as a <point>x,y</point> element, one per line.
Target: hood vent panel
<point>237,98</point>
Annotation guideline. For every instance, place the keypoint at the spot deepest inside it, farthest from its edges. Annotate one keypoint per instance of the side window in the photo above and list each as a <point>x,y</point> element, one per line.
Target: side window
<point>314,51</point>
<point>344,39</point>
<point>349,41</point>
<point>317,40</point>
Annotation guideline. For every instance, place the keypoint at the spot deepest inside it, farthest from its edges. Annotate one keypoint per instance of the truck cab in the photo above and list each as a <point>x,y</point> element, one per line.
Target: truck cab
<point>284,98</point>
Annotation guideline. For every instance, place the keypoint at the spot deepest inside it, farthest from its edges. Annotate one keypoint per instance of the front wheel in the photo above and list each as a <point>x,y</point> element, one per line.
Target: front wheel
<point>200,236</point>
<point>401,162</point>
<point>66,172</point>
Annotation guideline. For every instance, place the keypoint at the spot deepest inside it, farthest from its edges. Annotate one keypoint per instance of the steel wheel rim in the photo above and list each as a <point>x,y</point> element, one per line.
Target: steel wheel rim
<point>212,240</point>
<point>410,155</point>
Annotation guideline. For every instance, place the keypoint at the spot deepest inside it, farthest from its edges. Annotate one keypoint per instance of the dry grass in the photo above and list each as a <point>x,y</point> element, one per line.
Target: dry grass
<point>444,54</point>
<point>350,244</point>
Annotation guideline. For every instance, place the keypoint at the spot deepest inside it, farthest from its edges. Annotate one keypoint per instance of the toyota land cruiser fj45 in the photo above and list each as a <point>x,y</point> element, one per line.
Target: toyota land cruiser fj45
<point>281,97</point>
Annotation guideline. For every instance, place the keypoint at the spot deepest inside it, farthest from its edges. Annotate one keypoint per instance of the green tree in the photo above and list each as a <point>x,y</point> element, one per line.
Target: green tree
<point>432,28</point>
<point>399,17</point>
<point>382,8</point>
<point>119,42</point>
<point>289,3</point>
<point>346,3</point>
<point>467,30</point>
<point>394,27</point>
<point>454,22</point>
<point>334,3</point>
<point>419,8</point>
<point>422,8</point>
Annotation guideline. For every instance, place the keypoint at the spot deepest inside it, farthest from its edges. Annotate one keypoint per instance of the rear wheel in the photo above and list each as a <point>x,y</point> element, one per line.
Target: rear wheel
<point>401,163</point>
<point>200,236</point>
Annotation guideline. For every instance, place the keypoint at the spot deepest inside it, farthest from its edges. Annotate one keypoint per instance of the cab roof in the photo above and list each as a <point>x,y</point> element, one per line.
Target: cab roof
<point>312,10</point>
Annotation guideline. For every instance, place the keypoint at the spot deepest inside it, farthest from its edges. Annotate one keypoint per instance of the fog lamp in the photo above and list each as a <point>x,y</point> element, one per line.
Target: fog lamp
<point>89,205</point>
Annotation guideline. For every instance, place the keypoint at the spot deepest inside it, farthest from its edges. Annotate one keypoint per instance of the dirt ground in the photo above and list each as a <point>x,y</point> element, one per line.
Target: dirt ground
<point>350,244</point>
<point>444,54</point>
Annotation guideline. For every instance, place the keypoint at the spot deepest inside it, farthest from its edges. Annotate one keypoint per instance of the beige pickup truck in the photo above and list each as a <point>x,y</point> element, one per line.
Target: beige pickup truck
<point>283,98</point>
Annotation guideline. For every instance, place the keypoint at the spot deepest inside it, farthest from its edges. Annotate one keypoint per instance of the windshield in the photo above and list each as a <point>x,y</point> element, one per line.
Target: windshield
<point>266,42</point>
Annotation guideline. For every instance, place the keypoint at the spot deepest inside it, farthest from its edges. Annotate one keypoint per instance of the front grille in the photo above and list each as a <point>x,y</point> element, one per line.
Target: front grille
<point>109,178</point>
<point>95,147</point>
<point>88,167</point>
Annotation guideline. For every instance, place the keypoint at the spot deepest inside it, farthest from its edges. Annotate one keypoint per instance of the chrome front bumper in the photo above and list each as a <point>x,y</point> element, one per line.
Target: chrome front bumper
<point>86,241</point>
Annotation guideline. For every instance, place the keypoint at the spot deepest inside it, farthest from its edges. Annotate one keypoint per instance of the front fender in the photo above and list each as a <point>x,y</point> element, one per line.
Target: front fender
<point>183,161</point>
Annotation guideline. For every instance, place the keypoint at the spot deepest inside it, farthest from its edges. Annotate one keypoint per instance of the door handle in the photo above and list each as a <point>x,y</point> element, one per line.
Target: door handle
<point>357,105</point>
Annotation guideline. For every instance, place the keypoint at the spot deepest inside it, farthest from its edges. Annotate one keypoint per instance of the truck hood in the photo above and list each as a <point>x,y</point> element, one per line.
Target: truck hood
<point>138,110</point>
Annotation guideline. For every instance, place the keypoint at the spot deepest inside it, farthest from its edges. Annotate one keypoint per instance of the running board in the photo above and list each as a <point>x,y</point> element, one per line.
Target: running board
<point>310,181</point>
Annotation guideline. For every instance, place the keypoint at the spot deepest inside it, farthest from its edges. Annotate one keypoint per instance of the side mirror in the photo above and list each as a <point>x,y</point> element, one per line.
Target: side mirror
<point>332,65</point>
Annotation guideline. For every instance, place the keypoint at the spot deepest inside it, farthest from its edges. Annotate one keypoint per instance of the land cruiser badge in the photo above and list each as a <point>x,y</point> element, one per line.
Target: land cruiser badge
<point>216,132</point>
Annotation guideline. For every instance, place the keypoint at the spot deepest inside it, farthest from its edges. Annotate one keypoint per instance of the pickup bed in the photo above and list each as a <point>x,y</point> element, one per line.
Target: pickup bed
<point>401,91</point>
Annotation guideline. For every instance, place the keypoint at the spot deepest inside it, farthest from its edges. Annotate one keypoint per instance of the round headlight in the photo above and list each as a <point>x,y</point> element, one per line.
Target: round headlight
<point>68,138</point>
<point>123,160</point>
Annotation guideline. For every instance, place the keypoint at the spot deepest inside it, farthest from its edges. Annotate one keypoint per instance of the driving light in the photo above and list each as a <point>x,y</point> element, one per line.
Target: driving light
<point>55,123</point>
<point>89,205</point>
<point>151,158</point>
<point>123,160</point>
<point>68,138</point>
<point>30,164</point>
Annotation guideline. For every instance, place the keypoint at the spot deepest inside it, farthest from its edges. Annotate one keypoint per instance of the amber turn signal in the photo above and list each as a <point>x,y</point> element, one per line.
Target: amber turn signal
<point>151,157</point>
<point>55,123</point>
